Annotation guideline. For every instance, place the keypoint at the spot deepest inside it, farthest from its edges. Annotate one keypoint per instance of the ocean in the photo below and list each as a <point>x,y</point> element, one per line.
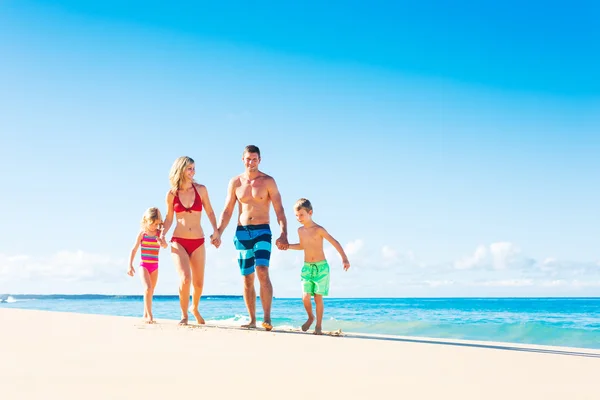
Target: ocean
<point>573,322</point>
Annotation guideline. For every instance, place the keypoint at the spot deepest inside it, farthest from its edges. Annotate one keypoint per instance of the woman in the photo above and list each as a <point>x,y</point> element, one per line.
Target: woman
<point>186,199</point>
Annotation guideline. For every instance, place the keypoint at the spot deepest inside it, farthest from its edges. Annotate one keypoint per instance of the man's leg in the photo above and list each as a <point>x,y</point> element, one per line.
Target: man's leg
<point>250,299</point>
<point>266,294</point>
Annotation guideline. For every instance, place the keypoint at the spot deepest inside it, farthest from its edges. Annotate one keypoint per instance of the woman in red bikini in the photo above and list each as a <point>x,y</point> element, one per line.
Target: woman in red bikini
<point>185,201</point>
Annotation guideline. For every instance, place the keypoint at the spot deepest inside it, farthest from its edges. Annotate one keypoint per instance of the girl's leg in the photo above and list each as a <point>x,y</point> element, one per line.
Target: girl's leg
<point>153,281</point>
<point>319,306</point>
<point>182,266</point>
<point>147,285</point>
<point>197,263</point>
<point>308,308</point>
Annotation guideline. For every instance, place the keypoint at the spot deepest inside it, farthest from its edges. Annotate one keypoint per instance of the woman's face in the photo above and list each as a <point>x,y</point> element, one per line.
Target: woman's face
<point>189,172</point>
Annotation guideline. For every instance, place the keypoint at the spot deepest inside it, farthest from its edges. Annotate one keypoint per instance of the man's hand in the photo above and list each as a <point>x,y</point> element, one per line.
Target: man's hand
<point>282,242</point>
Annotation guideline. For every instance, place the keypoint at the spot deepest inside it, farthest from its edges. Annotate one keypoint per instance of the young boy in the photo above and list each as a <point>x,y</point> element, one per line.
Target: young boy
<point>315,272</point>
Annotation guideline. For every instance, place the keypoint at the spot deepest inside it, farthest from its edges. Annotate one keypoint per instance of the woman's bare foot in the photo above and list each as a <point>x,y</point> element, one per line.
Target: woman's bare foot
<point>184,321</point>
<point>318,331</point>
<point>198,317</point>
<point>308,323</point>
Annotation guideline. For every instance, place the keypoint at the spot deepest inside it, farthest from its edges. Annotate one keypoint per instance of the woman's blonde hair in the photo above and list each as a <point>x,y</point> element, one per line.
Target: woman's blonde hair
<point>150,216</point>
<point>176,174</point>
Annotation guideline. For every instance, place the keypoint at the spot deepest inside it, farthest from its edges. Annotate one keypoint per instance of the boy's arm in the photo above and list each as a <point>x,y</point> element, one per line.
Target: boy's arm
<point>134,250</point>
<point>297,246</point>
<point>337,246</point>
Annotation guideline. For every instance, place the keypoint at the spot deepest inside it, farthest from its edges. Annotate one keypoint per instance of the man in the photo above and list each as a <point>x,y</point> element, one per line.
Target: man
<point>254,191</point>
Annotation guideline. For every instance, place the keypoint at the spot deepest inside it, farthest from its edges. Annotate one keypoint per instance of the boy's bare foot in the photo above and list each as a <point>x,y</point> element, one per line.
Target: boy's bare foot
<point>184,321</point>
<point>318,331</point>
<point>308,323</point>
<point>251,325</point>
<point>198,317</point>
<point>267,325</point>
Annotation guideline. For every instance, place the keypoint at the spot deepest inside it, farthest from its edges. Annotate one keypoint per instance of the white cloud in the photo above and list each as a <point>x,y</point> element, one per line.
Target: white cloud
<point>496,256</point>
<point>376,270</point>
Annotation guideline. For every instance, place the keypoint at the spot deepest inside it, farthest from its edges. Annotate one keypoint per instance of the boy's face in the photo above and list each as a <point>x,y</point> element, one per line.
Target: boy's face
<point>303,216</point>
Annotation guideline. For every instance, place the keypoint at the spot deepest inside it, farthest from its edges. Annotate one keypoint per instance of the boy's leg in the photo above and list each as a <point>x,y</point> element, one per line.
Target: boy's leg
<point>308,307</point>
<point>319,306</point>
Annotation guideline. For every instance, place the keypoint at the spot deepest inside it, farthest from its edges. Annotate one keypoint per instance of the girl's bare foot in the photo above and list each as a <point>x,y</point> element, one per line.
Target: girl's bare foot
<point>198,317</point>
<point>318,330</point>
<point>184,321</point>
<point>308,323</point>
<point>251,325</point>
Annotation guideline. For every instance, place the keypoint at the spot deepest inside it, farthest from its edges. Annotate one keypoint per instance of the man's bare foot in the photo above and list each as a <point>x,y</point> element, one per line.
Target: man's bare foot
<point>184,321</point>
<point>198,317</point>
<point>267,325</point>
<point>318,331</point>
<point>251,325</point>
<point>308,323</point>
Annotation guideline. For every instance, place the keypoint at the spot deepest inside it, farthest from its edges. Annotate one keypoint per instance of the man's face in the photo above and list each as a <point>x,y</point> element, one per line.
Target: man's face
<point>251,161</point>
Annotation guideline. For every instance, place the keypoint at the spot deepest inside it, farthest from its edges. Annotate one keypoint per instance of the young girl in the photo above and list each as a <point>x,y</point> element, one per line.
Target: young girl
<point>149,238</point>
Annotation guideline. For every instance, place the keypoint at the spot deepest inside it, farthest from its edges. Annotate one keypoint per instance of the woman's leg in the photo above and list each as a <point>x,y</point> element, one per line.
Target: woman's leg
<point>182,266</point>
<point>197,263</point>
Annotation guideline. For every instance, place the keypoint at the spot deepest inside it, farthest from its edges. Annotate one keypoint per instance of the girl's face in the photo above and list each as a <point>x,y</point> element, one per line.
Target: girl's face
<point>154,225</point>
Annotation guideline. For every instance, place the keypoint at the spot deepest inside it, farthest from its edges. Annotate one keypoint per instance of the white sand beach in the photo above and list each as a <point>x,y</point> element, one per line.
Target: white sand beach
<point>51,355</point>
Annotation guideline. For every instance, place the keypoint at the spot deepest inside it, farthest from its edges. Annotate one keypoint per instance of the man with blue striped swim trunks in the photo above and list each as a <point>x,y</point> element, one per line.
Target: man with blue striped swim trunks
<point>254,192</point>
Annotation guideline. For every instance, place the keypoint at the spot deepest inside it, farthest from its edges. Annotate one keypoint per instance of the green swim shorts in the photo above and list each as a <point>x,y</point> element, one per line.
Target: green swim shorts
<point>315,278</point>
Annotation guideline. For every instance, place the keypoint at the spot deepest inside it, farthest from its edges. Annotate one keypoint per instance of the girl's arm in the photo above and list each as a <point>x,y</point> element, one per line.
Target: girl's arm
<point>337,246</point>
<point>134,250</point>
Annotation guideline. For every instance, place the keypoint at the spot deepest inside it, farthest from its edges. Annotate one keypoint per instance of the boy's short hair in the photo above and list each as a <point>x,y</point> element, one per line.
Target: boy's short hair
<point>252,149</point>
<point>303,203</point>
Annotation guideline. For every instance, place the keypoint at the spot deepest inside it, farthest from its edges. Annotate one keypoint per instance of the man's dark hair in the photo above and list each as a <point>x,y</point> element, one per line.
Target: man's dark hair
<point>252,149</point>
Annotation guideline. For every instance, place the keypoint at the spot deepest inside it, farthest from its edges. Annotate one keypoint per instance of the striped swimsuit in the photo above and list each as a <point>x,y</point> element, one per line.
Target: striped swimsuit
<point>150,248</point>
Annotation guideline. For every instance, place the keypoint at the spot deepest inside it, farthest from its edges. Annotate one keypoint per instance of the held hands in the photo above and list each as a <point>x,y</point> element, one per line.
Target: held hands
<point>346,264</point>
<point>131,270</point>
<point>215,239</point>
<point>162,242</point>
<point>282,242</point>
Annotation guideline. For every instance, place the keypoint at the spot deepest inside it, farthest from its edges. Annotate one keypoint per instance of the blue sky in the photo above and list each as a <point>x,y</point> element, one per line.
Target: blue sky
<point>451,149</point>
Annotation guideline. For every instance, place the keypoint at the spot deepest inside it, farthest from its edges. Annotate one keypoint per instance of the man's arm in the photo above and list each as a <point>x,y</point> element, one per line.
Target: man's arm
<point>337,246</point>
<point>230,201</point>
<point>275,196</point>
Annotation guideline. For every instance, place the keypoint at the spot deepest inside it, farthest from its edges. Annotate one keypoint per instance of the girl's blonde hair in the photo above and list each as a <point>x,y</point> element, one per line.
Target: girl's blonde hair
<point>150,216</point>
<point>176,174</point>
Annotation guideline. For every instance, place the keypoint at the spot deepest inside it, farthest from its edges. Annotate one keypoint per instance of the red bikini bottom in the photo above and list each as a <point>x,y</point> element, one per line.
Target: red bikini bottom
<point>189,245</point>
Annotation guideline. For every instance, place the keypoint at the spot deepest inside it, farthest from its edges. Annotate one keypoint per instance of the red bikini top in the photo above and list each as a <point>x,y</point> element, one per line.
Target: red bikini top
<point>197,206</point>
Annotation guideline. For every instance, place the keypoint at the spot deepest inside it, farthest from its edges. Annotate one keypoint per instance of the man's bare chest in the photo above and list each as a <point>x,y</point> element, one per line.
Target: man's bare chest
<point>252,190</point>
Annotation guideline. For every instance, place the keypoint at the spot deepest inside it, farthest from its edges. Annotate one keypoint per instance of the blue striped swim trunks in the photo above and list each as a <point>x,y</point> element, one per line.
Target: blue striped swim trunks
<point>253,243</point>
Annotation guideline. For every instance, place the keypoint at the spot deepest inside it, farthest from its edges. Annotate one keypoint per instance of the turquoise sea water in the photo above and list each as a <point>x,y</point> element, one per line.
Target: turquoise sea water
<point>573,322</point>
